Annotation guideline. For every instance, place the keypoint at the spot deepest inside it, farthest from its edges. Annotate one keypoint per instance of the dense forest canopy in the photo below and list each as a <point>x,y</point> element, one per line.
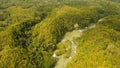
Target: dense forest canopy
<point>31,30</point>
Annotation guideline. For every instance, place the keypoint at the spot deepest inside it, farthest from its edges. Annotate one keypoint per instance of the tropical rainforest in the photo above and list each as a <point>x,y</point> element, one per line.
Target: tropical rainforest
<point>31,31</point>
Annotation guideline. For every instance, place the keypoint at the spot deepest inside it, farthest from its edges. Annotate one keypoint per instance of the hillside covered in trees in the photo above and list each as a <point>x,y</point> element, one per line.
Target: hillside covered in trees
<point>32,33</point>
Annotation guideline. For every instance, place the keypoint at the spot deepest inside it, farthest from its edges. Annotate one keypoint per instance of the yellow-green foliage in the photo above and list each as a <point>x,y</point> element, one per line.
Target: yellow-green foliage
<point>61,20</point>
<point>64,45</point>
<point>67,54</point>
<point>15,41</point>
<point>112,22</point>
<point>12,58</point>
<point>5,38</point>
<point>64,48</point>
<point>98,47</point>
<point>19,14</point>
<point>30,32</point>
<point>20,58</point>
